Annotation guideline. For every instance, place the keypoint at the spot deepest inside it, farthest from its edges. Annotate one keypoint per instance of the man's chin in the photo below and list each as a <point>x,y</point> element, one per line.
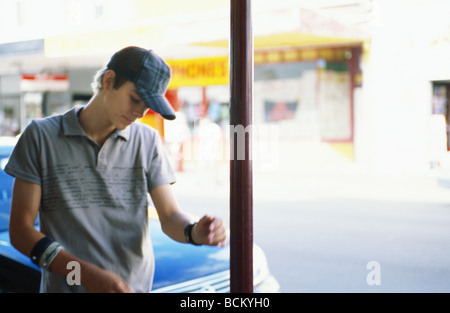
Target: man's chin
<point>122,126</point>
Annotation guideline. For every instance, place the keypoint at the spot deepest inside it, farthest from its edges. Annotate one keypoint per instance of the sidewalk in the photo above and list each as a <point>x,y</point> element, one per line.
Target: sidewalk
<point>301,186</point>
<point>300,177</point>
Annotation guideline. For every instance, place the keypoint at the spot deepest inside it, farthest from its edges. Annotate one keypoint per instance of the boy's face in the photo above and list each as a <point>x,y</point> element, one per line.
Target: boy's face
<point>124,105</point>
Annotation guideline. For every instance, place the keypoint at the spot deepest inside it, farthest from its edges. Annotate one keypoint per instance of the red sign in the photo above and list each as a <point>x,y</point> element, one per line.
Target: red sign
<point>44,82</point>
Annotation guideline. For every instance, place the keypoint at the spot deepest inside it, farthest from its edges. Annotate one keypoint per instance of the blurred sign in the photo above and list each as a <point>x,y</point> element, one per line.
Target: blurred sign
<point>280,110</point>
<point>26,47</point>
<point>44,82</point>
<point>199,72</point>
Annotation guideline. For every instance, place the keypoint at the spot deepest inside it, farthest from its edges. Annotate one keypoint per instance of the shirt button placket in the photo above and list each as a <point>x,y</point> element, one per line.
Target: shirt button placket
<point>101,161</point>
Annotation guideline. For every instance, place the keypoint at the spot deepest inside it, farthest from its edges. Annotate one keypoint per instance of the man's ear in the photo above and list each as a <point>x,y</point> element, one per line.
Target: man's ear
<point>108,79</point>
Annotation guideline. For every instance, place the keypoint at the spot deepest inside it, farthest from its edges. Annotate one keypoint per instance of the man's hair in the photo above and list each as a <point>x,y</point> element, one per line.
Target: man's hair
<point>124,63</point>
<point>97,83</point>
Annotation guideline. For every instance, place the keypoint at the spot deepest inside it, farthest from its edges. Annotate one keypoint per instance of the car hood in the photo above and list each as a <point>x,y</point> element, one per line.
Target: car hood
<point>177,262</point>
<point>174,262</point>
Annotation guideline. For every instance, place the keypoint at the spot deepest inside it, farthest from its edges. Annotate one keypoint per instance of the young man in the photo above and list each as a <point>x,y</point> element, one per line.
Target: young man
<point>88,172</point>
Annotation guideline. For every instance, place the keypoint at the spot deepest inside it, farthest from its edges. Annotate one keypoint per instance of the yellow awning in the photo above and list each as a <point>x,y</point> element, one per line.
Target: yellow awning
<point>290,39</point>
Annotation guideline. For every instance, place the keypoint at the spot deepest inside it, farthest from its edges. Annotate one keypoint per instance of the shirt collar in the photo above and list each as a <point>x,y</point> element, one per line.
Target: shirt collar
<point>125,133</point>
<point>71,125</point>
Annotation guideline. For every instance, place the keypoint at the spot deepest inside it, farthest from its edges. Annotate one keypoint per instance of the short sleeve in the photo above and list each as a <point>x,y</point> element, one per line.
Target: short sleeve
<point>160,170</point>
<point>24,161</point>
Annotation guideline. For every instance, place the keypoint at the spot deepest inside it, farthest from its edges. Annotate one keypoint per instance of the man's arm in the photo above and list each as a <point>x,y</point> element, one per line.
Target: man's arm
<point>208,231</point>
<point>25,203</point>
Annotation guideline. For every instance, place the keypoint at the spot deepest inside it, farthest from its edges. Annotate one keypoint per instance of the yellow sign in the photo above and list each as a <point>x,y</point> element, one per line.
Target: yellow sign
<point>199,72</point>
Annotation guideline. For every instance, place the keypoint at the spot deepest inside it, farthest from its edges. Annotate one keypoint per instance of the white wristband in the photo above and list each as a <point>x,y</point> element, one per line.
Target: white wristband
<point>49,255</point>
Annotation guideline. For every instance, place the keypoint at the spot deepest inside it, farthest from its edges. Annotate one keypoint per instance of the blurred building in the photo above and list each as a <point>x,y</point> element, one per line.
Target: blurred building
<point>399,127</point>
<point>342,79</point>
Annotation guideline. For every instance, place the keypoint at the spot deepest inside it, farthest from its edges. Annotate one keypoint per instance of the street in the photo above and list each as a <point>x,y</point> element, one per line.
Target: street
<point>326,245</point>
<point>341,231</point>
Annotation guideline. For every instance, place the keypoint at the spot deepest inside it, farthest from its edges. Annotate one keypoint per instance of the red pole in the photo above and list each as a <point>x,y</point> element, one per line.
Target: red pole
<point>241,180</point>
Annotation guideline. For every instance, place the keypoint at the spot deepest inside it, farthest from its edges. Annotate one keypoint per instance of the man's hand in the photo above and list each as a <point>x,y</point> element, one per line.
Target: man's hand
<point>210,231</point>
<point>92,277</point>
<point>107,282</point>
<point>102,281</point>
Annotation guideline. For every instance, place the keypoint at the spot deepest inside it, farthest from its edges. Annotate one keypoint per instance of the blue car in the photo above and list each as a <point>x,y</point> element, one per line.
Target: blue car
<point>179,267</point>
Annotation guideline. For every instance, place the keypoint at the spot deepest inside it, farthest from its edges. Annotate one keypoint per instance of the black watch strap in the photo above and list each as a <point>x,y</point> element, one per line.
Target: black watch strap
<point>188,234</point>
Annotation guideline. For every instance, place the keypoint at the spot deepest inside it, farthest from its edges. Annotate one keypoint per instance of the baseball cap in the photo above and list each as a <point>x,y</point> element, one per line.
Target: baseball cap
<point>150,75</point>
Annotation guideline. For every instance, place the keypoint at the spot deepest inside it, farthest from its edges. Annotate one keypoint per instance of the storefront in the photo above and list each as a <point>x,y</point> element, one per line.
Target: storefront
<point>30,95</point>
<point>306,93</point>
<point>305,77</point>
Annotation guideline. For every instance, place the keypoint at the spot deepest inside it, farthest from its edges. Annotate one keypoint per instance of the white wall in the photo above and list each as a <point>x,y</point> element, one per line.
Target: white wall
<point>393,116</point>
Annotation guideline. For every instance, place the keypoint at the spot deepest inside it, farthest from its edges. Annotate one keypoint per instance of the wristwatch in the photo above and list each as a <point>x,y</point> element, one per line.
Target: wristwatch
<point>188,234</point>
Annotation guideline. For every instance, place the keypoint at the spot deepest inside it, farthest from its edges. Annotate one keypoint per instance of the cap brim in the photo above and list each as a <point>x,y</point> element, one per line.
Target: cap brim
<point>159,104</point>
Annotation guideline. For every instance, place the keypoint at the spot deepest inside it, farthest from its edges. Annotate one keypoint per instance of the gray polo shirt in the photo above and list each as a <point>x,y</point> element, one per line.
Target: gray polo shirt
<point>94,199</point>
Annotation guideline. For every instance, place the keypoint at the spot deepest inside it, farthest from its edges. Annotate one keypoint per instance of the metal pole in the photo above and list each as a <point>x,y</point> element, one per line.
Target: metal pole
<point>241,180</point>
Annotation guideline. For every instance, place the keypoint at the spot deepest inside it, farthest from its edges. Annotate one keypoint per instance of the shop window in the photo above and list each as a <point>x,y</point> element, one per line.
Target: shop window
<point>307,100</point>
<point>9,115</point>
<point>441,105</point>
